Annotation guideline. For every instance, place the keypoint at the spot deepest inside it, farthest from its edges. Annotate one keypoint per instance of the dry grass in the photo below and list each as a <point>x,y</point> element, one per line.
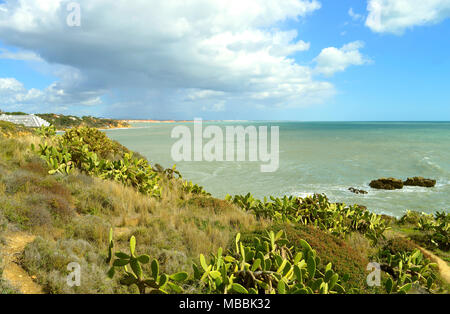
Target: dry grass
<point>171,230</point>
<point>48,261</point>
<point>74,214</point>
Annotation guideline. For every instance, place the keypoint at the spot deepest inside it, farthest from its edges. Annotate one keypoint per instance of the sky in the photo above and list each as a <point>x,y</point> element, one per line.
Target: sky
<point>303,60</point>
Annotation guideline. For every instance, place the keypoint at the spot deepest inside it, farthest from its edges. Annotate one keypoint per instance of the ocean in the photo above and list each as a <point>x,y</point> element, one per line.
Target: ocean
<point>321,157</point>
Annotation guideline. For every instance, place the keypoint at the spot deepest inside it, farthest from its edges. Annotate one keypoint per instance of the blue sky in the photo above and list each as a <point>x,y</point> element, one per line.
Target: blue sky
<point>408,80</point>
<point>281,60</point>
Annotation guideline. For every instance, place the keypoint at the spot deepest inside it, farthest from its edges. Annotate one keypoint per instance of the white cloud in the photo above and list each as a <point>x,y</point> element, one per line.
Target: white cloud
<point>19,55</point>
<point>355,16</point>
<point>171,56</point>
<point>14,95</point>
<point>332,60</point>
<point>395,16</point>
<point>12,92</point>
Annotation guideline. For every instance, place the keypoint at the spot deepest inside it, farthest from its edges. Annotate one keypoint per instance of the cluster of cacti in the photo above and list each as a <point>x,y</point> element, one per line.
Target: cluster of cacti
<point>407,269</point>
<point>128,170</point>
<point>46,131</point>
<point>170,173</point>
<point>316,210</point>
<point>58,160</point>
<point>96,141</point>
<point>435,229</point>
<point>269,265</point>
<point>71,151</point>
<point>131,268</point>
<point>189,187</point>
<point>413,217</point>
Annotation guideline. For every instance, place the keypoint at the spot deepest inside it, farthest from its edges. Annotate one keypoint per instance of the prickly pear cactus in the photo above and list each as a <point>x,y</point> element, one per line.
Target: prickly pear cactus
<point>270,265</point>
<point>131,268</point>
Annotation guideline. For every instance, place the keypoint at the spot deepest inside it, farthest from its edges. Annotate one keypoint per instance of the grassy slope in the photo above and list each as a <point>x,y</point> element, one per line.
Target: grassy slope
<point>71,215</point>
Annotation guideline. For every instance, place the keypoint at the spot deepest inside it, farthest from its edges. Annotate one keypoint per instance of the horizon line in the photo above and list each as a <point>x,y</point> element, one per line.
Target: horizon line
<point>261,120</point>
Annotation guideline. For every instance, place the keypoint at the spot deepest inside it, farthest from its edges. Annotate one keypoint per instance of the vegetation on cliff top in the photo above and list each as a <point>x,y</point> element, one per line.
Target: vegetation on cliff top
<point>63,122</point>
<point>72,189</point>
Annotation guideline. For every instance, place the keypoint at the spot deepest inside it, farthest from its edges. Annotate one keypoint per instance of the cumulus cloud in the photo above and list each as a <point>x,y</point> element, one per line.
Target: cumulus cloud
<point>332,60</point>
<point>13,93</point>
<point>395,16</point>
<point>171,56</point>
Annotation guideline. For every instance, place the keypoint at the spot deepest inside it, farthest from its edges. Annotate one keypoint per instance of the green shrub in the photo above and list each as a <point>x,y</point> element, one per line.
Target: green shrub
<point>133,274</point>
<point>33,199</point>
<point>46,131</point>
<point>434,230</point>
<point>437,231</point>
<point>97,142</point>
<point>67,122</point>
<point>21,181</point>
<point>89,228</point>
<point>406,267</point>
<point>346,260</point>
<point>316,210</point>
<point>8,129</point>
<point>189,187</point>
<point>3,222</point>
<point>48,261</point>
<point>399,245</point>
<point>268,265</point>
<point>413,217</point>
<point>90,151</point>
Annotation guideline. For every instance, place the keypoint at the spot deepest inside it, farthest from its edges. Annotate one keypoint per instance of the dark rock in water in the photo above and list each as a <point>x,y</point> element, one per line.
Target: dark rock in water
<point>387,184</point>
<point>419,181</point>
<point>356,191</point>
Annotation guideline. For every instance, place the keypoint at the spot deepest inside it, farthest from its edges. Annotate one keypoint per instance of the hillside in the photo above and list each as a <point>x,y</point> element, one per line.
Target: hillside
<point>62,122</point>
<point>80,197</point>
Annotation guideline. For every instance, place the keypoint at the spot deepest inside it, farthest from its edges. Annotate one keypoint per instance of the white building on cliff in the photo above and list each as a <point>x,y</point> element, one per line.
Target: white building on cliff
<point>27,120</point>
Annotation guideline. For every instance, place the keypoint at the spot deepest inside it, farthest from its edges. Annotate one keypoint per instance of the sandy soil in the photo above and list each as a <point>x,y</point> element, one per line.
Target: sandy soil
<point>12,272</point>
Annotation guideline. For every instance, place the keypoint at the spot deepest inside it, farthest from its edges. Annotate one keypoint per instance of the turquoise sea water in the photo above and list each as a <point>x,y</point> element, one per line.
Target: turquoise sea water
<point>322,157</point>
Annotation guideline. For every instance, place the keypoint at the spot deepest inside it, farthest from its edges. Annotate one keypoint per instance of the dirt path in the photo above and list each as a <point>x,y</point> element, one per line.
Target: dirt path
<point>444,269</point>
<point>13,273</point>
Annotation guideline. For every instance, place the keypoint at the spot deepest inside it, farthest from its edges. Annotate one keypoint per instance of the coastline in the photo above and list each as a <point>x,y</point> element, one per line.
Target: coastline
<point>181,217</point>
<point>157,121</point>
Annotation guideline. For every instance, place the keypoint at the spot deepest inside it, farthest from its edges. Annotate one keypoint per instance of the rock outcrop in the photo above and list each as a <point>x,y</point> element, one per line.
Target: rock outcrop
<point>387,184</point>
<point>357,191</point>
<point>419,181</point>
